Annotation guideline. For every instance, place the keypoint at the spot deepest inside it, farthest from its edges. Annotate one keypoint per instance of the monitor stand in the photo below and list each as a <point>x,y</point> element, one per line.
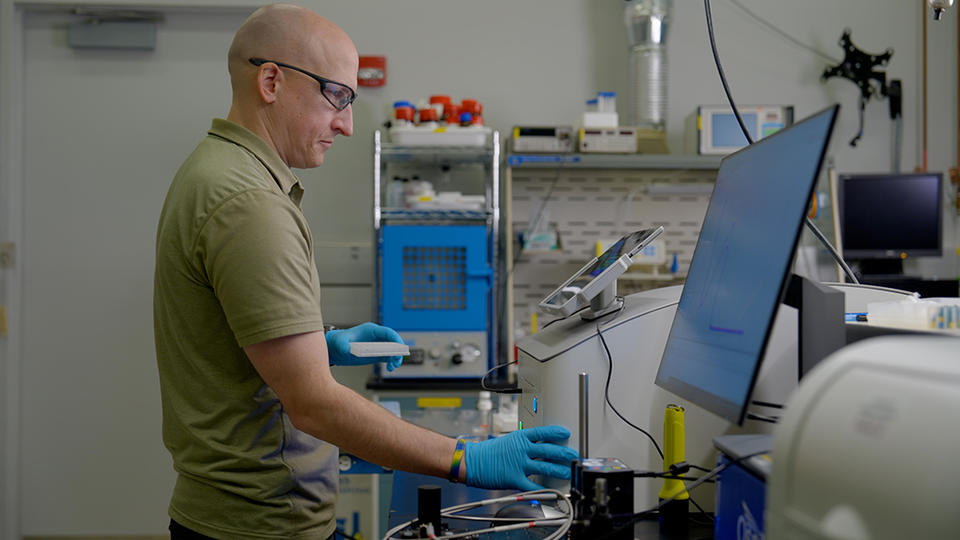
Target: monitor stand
<point>822,328</point>
<point>604,303</point>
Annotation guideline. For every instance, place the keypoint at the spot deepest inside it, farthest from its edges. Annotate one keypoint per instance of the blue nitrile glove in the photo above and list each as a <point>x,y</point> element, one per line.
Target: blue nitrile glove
<point>505,462</point>
<point>338,345</point>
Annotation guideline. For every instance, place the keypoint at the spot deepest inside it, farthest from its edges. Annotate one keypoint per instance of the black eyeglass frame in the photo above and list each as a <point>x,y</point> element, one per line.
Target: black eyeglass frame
<point>322,80</point>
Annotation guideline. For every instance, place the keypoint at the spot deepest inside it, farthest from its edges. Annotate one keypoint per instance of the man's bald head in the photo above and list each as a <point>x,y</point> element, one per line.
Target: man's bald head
<point>290,34</point>
<point>281,99</point>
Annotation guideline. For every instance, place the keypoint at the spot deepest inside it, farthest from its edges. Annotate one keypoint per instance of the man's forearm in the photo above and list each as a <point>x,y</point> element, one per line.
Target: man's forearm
<point>297,369</point>
<point>369,431</point>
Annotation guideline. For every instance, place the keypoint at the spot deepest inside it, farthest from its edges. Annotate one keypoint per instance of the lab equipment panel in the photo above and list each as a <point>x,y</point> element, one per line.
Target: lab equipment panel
<point>435,277</point>
<point>714,129</point>
<point>449,354</point>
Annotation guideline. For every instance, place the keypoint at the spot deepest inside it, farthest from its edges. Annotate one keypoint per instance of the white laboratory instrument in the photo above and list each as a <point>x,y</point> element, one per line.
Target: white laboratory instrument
<point>721,349</point>
<point>551,360</point>
<point>867,449</point>
<point>714,130</point>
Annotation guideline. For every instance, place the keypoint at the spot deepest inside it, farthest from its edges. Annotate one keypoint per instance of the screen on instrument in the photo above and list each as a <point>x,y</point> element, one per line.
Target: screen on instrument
<point>575,293</point>
<point>741,266</point>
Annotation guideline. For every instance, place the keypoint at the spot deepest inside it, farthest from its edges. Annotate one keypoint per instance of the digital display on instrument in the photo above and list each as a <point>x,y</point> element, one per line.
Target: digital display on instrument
<point>630,244</point>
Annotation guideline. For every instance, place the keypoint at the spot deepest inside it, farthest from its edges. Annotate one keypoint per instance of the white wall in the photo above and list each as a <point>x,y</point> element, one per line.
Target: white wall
<point>104,131</point>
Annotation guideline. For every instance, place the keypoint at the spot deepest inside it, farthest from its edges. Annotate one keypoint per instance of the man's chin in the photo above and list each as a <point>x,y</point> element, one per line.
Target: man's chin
<point>314,161</point>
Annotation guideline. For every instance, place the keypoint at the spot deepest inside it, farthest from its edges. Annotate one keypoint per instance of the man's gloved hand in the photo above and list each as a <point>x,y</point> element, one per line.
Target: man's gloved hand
<point>505,462</point>
<point>338,345</point>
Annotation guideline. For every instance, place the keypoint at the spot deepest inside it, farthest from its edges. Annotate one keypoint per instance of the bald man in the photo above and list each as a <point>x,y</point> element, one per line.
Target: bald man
<point>252,416</point>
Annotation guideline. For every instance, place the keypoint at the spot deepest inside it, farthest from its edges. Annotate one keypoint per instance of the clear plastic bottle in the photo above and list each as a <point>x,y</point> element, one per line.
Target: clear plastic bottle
<point>482,429</point>
<point>395,193</point>
<point>607,102</point>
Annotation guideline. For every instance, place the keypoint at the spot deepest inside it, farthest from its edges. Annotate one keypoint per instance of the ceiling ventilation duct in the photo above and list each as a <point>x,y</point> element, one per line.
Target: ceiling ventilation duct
<point>647,22</point>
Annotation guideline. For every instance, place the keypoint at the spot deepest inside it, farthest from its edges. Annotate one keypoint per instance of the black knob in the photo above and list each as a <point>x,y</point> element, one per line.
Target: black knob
<point>457,359</point>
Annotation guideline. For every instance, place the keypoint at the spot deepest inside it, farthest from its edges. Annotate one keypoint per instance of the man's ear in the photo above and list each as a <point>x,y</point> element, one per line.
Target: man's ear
<point>268,82</point>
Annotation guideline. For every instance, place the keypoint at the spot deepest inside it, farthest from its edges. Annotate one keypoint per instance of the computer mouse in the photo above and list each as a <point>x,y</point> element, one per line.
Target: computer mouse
<point>521,510</point>
<point>529,510</point>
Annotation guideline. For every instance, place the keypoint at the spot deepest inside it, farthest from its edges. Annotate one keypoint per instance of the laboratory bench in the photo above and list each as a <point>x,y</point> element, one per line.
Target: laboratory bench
<point>403,508</point>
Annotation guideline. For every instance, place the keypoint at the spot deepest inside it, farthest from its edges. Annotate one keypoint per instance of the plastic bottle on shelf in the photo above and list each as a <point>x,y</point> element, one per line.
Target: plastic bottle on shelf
<point>395,193</point>
<point>403,113</point>
<point>506,419</point>
<point>418,192</point>
<point>438,102</point>
<point>482,429</point>
<point>451,114</point>
<point>607,102</point>
<point>475,108</point>
<point>428,118</point>
<point>403,116</point>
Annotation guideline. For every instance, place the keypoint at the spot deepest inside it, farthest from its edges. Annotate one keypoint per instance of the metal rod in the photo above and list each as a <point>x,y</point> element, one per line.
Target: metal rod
<point>923,7</point>
<point>584,415</point>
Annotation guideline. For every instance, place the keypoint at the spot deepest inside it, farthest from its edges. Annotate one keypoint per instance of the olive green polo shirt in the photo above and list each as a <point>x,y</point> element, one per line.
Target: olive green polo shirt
<point>234,267</point>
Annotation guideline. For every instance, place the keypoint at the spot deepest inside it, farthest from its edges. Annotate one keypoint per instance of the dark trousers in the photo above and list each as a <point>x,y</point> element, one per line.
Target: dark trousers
<point>179,532</point>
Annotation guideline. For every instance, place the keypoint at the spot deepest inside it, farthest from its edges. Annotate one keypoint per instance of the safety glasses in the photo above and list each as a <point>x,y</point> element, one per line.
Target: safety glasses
<point>339,95</point>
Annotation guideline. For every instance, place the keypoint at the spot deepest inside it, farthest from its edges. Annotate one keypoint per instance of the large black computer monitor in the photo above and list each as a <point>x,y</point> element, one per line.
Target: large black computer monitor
<point>741,266</point>
<point>885,218</point>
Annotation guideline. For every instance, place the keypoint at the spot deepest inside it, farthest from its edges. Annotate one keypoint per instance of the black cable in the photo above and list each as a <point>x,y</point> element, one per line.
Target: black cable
<point>668,476</point>
<point>558,319</point>
<point>639,515</point>
<point>491,370</point>
<point>746,133</point>
<point>767,404</point>
<point>763,418</point>
<point>564,318</point>
<point>723,78</point>
<point>606,394</point>
<point>702,511</point>
<point>340,533</point>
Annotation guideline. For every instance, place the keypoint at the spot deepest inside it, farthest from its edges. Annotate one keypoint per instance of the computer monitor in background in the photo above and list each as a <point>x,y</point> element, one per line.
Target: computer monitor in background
<point>741,267</point>
<point>885,218</point>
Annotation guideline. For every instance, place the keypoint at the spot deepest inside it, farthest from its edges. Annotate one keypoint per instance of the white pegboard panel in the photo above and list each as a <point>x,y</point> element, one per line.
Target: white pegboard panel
<point>587,205</point>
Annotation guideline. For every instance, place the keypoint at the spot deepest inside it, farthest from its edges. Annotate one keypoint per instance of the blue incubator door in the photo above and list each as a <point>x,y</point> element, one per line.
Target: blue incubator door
<point>435,277</point>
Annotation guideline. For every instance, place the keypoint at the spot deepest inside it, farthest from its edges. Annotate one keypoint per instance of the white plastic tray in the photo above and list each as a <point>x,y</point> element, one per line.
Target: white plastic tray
<point>378,348</point>
<point>420,136</point>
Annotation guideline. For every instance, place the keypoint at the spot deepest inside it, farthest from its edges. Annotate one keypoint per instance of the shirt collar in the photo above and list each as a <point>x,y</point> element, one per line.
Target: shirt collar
<point>241,136</point>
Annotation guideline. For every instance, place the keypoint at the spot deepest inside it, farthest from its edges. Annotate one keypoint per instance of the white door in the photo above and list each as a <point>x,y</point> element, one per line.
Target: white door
<point>104,132</point>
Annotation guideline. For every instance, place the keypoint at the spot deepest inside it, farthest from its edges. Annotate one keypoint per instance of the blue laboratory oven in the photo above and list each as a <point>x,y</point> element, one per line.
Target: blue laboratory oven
<point>436,290</point>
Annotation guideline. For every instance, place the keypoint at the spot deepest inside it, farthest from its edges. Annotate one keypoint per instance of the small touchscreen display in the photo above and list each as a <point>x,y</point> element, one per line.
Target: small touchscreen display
<point>630,243</point>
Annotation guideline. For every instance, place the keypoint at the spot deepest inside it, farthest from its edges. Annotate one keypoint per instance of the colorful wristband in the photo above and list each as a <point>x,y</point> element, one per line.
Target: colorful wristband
<point>457,461</point>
